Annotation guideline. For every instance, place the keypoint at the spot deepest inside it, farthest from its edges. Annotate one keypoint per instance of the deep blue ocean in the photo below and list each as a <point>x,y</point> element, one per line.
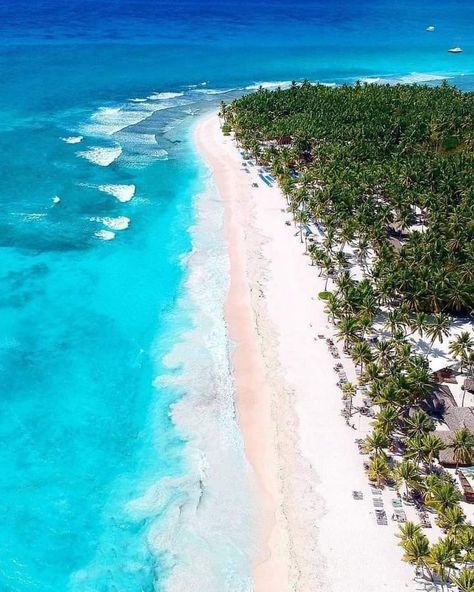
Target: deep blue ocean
<point>116,418</point>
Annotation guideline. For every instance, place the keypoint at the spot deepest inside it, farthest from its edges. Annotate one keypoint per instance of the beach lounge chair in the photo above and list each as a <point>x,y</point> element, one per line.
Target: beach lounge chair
<point>378,502</point>
<point>381,517</point>
<point>399,516</point>
<point>357,495</point>
<point>424,520</point>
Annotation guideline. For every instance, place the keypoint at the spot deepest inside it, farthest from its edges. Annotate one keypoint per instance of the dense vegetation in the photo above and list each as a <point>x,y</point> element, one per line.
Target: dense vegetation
<point>379,163</point>
<point>386,173</point>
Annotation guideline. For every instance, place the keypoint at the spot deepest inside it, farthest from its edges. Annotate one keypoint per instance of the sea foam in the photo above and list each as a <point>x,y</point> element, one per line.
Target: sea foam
<point>412,78</point>
<point>73,139</point>
<point>418,77</point>
<point>103,156</point>
<point>202,523</point>
<point>118,223</point>
<point>269,85</point>
<point>214,91</point>
<point>107,121</point>
<point>123,193</point>
<point>163,96</point>
<point>30,216</point>
<point>105,235</point>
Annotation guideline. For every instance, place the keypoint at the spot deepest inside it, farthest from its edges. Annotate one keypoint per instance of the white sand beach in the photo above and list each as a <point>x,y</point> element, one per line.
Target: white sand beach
<point>314,535</point>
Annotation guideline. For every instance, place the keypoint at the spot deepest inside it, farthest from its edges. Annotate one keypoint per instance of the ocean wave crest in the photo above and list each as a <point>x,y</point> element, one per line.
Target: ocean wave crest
<point>73,139</point>
<point>123,193</point>
<point>103,156</point>
<point>163,96</point>
<point>214,91</point>
<point>105,235</point>
<point>269,85</point>
<point>411,78</point>
<point>118,223</point>
<point>107,121</point>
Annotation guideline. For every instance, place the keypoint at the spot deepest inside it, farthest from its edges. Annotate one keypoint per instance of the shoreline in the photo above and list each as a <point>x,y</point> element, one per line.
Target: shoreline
<point>254,397</point>
<point>313,535</point>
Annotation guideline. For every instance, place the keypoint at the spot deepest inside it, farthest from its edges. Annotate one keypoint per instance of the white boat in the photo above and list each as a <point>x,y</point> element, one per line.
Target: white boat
<point>455,50</point>
<point>430,29</point>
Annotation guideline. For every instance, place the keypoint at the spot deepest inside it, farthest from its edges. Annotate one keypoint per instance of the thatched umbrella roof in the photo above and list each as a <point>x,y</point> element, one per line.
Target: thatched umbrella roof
<point>469,384</point>
<point>457,417</point>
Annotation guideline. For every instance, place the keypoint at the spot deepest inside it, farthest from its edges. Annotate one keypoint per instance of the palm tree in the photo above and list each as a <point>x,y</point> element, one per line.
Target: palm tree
<point>301,218</point>
<point>469,363</point>
<point>383,353</point>
<point>376,442</point>
<point>371,373</point>
<point>419,383</point>
<point>345,283</point>
<point>379,470</point>
<point>389,394</point>
<point>463,447</point>
<point>442,495</point>
<point>366,322</point>
<point>327,267</point>
<point>395,320</point>
<point>362,252</point>
<point>452,520</point>
<point>408,474</point>
<point>418,424</point>
<point>466,542</point>
<point>442,557</point>
<point>438,329</point>
<point>419,322</point>
<point>361,353</point>
<point>409,530</point>
<point>465,580</point>
<point>415,449</point>
<point>349,391</point>
<point>333,307</point>
<point>417,551</point>
<point>461,345</point>
<point>387,420</point>
<point>348,329</point>
<point>432,446</point>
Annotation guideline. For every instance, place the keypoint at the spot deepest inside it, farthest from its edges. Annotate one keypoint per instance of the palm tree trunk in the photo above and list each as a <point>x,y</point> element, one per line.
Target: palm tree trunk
<point>430,573</point>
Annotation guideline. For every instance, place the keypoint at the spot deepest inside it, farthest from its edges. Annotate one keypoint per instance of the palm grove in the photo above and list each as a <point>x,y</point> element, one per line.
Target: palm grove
<point>388,171</point>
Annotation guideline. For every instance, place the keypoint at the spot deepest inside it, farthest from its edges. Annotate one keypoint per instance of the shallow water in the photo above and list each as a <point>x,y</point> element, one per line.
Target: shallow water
<point>118,437</point>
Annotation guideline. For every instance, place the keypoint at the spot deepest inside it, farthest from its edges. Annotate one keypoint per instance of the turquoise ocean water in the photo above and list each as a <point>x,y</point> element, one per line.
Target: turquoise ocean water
<point>121,465</point>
